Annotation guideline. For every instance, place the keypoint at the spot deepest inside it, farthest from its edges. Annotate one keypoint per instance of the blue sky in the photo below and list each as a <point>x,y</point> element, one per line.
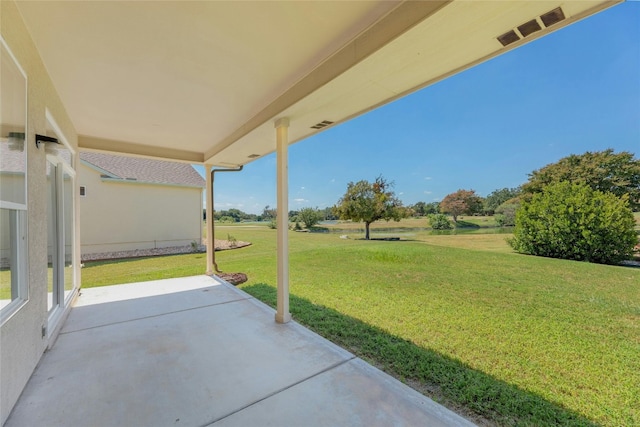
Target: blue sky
<point>572,91</point>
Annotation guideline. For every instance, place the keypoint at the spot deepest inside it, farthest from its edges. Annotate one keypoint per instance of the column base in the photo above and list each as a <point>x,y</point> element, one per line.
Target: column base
<point>286,318</point>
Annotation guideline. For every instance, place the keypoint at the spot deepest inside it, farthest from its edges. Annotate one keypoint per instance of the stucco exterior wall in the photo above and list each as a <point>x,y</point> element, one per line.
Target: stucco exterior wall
<point>120,216</point>
<point>22,343</point>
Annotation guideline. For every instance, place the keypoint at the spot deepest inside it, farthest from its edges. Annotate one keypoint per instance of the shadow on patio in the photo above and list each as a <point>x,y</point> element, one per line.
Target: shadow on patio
<point>196,351</point>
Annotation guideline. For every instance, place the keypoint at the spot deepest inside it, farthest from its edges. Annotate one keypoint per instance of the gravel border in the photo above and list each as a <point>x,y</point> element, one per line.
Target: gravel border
<point>220,245</point>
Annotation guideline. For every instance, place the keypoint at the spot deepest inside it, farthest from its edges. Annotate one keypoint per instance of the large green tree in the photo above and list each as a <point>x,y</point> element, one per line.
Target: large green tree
<point>573,221</point>
<point>368,202</point>
<point>606,171</point>
<point>461,202</point>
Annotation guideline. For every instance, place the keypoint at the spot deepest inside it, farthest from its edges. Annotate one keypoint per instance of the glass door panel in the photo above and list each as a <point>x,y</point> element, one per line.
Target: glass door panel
<point>60,233</point>
<point>53,296</point>
<point>68,221</point>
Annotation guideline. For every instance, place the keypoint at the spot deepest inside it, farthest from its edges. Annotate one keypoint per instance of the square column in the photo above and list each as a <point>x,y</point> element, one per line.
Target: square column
<point>282,219</point>
<point>210,235</point>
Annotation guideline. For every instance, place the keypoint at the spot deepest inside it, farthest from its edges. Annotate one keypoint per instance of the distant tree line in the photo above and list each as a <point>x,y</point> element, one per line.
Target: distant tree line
<point>268,214</point>
<point>580,207</point>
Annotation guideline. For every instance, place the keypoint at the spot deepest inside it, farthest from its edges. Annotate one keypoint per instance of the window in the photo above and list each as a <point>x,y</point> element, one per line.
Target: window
<point>13,184</point>
<point>83,191</point>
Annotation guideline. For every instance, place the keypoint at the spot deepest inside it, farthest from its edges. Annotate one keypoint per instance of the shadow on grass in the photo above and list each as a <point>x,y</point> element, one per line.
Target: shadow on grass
<point>98,262</point>
<point>470,392</point>
<point>466,224</point>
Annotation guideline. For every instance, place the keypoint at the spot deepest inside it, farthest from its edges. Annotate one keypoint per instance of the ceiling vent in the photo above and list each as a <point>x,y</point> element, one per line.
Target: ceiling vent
<point>508,38</point>
<point>548,19</point>
<point>553,17</point>
<point>322,124</point>
<point>529,28</point>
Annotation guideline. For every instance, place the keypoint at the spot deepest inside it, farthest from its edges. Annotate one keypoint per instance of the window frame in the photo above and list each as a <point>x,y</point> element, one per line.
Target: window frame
<point>63,166</point>
<point>18,214</point>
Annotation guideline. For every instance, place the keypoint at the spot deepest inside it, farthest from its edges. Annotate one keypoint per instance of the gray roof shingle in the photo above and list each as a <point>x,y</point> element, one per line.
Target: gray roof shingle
<point>145,170</point>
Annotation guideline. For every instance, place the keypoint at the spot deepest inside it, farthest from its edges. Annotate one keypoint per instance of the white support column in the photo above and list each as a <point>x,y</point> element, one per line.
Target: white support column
<point>210,236</point>
<point>282,221</point>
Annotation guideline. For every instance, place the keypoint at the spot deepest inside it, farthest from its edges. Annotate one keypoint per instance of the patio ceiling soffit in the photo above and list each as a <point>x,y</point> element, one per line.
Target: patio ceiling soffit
<point>395,51</point>
<point>448,38</point>
<point>401,19</point>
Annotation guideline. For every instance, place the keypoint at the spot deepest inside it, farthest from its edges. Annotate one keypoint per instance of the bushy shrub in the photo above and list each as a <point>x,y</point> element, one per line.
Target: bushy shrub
<point>573,221</point>
<point>309,217</point>
<point>505,215</point>
<point>440,222</point>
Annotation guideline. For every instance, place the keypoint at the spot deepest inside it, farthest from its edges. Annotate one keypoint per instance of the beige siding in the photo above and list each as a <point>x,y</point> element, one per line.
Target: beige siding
<point>22,343</point>
<point>120,216</point>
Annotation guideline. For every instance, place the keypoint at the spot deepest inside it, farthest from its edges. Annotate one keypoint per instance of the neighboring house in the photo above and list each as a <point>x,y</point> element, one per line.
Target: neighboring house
<point>129,203</point>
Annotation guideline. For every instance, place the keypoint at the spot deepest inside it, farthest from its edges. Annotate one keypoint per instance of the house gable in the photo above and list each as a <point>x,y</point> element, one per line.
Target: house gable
<point>142,170</point>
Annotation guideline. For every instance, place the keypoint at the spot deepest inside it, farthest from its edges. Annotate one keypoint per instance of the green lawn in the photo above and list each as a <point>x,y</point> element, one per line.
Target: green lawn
<point>516,340</point>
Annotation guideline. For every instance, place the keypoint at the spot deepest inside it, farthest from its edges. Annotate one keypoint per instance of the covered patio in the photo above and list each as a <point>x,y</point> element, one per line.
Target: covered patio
<point>218,84</point>
<point>196,351</point>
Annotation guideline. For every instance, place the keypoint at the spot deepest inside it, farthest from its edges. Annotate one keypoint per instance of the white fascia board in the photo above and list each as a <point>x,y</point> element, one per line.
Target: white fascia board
<point>98,169</point>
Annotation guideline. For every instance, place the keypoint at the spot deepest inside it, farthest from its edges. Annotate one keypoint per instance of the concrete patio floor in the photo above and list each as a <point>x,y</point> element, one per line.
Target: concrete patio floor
<point>196,351</point>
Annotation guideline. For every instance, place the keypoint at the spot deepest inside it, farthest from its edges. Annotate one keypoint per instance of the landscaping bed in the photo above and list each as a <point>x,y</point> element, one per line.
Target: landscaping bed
<point>220,245</point>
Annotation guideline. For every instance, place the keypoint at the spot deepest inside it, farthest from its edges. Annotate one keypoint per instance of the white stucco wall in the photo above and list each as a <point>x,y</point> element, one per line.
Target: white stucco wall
<point>125,216</point>
<point>21,340</point>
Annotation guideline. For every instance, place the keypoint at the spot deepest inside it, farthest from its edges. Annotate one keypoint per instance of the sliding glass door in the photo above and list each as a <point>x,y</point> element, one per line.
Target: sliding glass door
<point>60,233</point>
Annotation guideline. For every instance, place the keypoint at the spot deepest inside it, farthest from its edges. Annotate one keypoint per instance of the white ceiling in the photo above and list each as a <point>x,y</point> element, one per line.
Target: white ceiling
<point>204,81</point>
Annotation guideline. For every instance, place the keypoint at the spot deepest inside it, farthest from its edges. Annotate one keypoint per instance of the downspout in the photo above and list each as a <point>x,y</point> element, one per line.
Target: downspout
<point>213,240</point>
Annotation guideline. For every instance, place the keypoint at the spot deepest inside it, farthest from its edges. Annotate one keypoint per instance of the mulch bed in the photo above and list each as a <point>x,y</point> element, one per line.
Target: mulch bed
<point>234,278</point>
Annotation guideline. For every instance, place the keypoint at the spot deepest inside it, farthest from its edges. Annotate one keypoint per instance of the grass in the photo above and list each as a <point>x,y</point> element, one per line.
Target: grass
<point>103,273</point>
<point>512,339</point>
<point>5,281</point>
<point>472,393</point>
